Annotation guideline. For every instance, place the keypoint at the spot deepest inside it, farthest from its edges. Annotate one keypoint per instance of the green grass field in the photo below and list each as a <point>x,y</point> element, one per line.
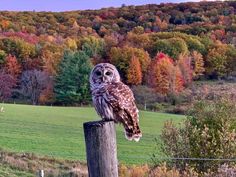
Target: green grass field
<point>58,132</point>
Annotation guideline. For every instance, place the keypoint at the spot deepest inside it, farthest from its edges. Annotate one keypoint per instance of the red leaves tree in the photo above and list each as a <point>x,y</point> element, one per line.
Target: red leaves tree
<point>134,73</point>
<point>164,76</point>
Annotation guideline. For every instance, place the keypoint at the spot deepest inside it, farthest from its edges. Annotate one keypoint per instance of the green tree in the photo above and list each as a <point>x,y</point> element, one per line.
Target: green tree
<point>72,81</point>
<point>231,61</point>
<point>2,57</point>
<point>173,47</point>
<point>18,47</point>
<point>216,61</point>
<point>93,46</point>
<point>195,44</point>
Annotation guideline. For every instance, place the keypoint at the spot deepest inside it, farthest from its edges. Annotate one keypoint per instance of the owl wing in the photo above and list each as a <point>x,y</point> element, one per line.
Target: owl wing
<point>122,101</point>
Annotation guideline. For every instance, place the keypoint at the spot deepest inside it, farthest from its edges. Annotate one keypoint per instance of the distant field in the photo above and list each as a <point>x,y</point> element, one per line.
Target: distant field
<point>58,132</point>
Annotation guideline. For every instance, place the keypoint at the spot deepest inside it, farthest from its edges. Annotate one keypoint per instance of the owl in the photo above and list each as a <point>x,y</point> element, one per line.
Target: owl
<point>113,100</point>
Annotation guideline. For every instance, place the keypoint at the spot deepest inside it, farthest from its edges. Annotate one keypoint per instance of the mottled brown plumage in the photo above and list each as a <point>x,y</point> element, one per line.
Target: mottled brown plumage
<point>114,100</point>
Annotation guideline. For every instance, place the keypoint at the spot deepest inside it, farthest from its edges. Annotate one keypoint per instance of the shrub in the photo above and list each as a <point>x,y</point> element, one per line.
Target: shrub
<point>133,171</point>
<point>164,171</point>
<point>208,132</point>
<point>146,96</point>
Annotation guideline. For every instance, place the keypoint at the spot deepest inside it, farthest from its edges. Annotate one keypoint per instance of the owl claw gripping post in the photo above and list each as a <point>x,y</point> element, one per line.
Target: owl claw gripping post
<point>113,100</point>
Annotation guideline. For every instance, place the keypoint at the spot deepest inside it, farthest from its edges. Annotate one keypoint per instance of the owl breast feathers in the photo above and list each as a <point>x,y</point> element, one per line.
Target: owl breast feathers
<point>113,100</point>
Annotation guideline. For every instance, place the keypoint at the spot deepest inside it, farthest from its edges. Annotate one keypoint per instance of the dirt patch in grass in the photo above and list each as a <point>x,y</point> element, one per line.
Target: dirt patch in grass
<point>31,163</point>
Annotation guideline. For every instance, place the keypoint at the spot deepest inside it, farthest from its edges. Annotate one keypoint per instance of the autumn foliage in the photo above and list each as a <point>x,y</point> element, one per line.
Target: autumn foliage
<point>198,64</point>
<point>12,66</point>
<point>134,75</point>
<point>162,46</point>
<point>164,76</point>
<point>184,65</point>
<point>7,82</point>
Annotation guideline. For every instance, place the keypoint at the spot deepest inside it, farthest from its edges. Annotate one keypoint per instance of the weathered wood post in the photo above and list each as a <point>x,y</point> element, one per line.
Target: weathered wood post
<point>100,139</point>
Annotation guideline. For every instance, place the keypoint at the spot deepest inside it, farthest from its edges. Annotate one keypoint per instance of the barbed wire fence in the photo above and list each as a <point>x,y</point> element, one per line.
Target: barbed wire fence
<point>179,158</point>
<point>225,165</point>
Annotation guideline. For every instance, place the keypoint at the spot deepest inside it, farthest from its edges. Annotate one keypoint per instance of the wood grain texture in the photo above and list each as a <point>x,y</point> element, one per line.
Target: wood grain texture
<point>100,139</point>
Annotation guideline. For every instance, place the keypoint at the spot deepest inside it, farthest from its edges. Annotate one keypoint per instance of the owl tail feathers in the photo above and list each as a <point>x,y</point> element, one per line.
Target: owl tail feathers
<point>133,136</point>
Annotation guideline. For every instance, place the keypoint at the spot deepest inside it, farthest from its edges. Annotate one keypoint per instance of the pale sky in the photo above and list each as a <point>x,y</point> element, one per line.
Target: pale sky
<point>68,5</point>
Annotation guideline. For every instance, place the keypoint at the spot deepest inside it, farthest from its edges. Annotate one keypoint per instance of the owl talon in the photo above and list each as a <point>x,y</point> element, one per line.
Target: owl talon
<point>107,119</point>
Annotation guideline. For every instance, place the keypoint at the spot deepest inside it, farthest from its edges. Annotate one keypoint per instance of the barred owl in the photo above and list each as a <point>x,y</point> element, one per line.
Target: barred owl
<point>113,100</point>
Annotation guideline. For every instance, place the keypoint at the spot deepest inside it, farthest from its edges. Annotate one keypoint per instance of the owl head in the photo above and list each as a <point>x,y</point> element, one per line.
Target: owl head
<point>104,73</point>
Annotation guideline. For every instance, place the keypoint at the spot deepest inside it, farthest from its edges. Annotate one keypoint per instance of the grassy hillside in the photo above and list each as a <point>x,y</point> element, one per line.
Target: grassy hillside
<point>58,132</point>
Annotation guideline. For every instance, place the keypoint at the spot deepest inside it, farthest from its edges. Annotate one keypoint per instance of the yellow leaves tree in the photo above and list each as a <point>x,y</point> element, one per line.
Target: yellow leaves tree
<point>71,44</point>
<point>198,64</point>
<point>134,74</point>
<point>51,55</point>
<point>137,39</point>
<point>217,60</point>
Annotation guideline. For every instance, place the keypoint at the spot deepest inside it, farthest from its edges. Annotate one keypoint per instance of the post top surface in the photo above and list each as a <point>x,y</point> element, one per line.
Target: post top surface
<point>97,123</point>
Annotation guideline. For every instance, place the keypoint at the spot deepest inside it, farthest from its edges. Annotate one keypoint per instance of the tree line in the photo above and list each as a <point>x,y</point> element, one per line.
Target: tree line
<point>46,58</point>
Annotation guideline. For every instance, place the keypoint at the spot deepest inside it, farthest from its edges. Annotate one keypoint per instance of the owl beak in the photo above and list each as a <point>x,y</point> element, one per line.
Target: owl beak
<point>103,79</point>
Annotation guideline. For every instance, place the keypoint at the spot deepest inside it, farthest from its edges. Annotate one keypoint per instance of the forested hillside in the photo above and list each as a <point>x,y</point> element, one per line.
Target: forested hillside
<point>159,50</point>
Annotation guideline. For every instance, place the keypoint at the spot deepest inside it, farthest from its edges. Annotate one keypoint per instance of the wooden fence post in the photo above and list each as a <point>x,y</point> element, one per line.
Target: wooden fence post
<point>100,139</point>
<point>41,173</point>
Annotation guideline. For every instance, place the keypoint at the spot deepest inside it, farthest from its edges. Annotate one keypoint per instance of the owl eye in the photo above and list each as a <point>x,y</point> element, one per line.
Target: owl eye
<point>108,73</point>
<point>98,73</point>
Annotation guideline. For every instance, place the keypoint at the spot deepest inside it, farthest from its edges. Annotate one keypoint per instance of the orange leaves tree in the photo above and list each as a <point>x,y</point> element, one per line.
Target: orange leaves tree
<point>134,74</point>
<point>184,64</point>
<point>51,56</point>
<point>12,66</point>
<point>164,76</point>
<point>121,58</point>
<point>4,24</point>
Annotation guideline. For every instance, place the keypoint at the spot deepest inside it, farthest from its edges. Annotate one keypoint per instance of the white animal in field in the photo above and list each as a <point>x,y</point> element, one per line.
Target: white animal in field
<point>2,110</point>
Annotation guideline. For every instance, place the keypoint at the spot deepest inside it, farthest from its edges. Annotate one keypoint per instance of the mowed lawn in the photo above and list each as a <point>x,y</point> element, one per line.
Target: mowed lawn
<point>58,132</point>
